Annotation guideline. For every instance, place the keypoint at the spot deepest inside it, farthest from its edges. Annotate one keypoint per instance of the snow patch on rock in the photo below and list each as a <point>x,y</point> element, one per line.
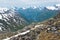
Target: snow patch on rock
<point>2,10</point>
<point>51,8</point>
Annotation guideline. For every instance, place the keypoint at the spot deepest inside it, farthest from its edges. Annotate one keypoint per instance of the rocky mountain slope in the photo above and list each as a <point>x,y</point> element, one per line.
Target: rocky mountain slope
<point>47,30</point>
<point>10,20</point>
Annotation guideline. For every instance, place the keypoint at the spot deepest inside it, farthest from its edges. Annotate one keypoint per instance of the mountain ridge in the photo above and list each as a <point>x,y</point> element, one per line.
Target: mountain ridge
<point>20,17</point>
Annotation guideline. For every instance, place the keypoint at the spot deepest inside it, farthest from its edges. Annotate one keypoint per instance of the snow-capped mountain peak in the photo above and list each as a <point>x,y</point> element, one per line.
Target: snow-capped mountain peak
<point>23,8</point>
<point>58,5</point>
<point>10,18</point>
<point>2,10</point>
<point>51,7</point>
<point>34,7</point>
<point>55,7</point>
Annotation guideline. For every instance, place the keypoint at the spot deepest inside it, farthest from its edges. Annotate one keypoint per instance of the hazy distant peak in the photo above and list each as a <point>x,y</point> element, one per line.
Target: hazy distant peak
<point>58,5</point>
<point>34,7</point>
<point>51,7</point>
<point>23,8</point>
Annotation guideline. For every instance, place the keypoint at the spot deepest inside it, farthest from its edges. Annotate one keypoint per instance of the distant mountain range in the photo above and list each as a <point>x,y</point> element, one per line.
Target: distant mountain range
<point>36,14</point>
<point>15,19</point>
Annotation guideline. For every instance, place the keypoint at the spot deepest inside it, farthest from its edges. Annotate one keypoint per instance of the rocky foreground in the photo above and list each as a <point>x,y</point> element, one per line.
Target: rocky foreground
<point>48,30</point>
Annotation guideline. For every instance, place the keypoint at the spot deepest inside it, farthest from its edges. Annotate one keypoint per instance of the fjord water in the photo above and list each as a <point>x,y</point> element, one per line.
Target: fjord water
<point>37,14</point>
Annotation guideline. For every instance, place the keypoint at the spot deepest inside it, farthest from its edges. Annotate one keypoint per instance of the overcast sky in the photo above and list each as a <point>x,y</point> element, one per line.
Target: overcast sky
<point>26,3</point>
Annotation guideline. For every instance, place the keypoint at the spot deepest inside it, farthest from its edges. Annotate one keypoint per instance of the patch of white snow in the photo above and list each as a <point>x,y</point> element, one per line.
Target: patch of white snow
<point>34,7</point>
<point>2,10</point>
<point>23,8</point>
<point>51,8</point>
<point>0,28</point>
<point>0,16</point>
